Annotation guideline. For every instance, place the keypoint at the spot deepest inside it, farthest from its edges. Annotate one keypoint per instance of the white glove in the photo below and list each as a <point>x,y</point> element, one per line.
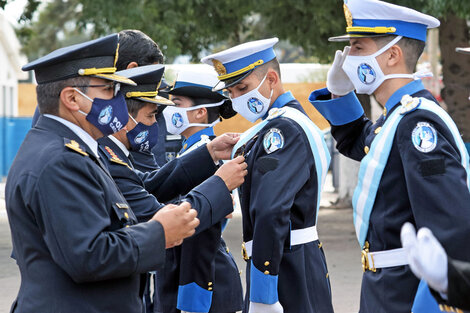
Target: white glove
<point>426,257</point>
<point>337,82</point>
<point>256,307</point>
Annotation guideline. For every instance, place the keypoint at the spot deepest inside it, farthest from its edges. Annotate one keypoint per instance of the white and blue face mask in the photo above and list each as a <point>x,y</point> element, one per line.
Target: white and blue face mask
<point>365,72</point>
<point>252,105</point>
<point>176,118</point>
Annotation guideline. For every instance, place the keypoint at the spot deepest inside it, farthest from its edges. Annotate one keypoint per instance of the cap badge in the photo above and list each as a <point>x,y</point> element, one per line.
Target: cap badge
<point>219,67</point>
<point>348,15</point>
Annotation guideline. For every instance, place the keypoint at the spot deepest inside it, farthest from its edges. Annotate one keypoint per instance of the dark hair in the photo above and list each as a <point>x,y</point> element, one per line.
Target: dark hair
<point>213,113</point>
<point>412,49</point>
<point>135,46</point>
<point>135,105</point>
<point>261,71</point>
<point>48,95</point>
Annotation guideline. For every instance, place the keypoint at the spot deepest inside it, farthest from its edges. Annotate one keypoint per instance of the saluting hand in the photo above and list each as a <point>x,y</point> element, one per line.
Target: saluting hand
<point>221,147</point>
<point>233,172</point>
<point>337,82</point>
<point>178,221</point>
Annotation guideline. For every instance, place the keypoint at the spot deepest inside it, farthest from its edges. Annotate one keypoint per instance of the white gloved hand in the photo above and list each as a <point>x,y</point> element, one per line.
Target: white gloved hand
<point>337,82</point>
<point>265,308</point>
<point>426,257</point>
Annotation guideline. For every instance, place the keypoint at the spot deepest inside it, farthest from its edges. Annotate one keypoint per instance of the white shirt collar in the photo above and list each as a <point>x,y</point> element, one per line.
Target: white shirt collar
<point>119,144</point>
<point>83,135</point>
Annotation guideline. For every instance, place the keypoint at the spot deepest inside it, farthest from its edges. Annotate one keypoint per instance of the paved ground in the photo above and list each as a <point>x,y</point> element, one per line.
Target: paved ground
<point>335,231</point>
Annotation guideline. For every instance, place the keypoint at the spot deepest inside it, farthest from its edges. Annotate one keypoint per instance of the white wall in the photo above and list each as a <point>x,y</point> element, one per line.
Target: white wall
<point>10,68</point>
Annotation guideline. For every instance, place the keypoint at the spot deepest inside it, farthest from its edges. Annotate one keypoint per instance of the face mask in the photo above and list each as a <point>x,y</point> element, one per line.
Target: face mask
<point>109,116</point>
<point>176,118</point>
<point>365,72</point>
<point>252,105</point>
<point>143,137</point>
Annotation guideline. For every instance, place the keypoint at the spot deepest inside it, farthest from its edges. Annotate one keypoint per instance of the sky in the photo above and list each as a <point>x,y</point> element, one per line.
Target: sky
<point>14,9</point>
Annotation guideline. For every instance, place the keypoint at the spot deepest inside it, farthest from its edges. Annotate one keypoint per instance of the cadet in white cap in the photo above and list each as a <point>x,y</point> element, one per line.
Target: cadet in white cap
<point>201,274</point>
<point>287,163</point>
<point>414,165</point>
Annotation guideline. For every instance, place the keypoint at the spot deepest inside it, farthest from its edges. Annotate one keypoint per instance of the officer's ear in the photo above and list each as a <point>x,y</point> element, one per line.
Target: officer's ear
<point>132,65</point>
<point>395,56</point>
<point>68,97</point>
<point>272,77</point>
<point>200,113</point>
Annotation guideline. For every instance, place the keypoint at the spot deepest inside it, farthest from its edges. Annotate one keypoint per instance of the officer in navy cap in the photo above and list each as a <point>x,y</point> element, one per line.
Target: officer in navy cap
<point>76,240</point>
<point>287,163</point>
<point>143,191</point>
<point>201,274</point>
<point>414,165</point>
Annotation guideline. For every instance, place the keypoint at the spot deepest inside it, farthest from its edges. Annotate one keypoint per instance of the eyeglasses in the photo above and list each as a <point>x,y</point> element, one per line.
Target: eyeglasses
<point>115,86</point>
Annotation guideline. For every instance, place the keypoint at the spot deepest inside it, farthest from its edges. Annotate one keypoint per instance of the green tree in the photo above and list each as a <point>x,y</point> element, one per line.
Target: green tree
<point>309,23</point>
<point>195,26</point>
<point>56,26</point>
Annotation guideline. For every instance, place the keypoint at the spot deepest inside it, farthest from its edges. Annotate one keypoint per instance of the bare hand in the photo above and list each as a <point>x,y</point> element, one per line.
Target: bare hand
<point>233,172</point>
<point>221,147</point>
<point>178,221</point>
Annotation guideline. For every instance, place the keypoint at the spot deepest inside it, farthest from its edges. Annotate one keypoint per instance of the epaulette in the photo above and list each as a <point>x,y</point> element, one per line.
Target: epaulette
<point>409,104</point>
<point>75,146</point>
<point>114,158</point>
<point>275,113</point>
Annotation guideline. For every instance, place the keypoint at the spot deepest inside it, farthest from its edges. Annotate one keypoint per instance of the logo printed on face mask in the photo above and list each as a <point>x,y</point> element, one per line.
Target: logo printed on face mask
<point>177,120</point>
<point>255,105</point>
<point>105,115</point>
<point>366,73</point>
<point>141,137</point>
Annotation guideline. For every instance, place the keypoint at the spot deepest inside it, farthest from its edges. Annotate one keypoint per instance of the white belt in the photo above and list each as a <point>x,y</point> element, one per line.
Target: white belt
<point>380,259</point>
<point>297,237</point>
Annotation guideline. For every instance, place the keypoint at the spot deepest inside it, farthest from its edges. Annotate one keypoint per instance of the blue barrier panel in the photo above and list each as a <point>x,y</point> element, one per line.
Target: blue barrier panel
<point>13,132</point>
<point>2,147</point>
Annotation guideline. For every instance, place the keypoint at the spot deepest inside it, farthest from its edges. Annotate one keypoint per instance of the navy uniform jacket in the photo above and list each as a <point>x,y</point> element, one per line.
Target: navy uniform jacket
<point>70,233</point>
<point>210,198</point>
<point>426,189</point>
<point>280,194</point>
<point>201,263</point>
<point>144,161</point>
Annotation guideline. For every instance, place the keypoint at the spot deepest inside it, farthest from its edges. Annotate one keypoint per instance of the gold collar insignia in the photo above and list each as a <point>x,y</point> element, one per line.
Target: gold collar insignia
<point>114,158</point>
<point>75,146</point>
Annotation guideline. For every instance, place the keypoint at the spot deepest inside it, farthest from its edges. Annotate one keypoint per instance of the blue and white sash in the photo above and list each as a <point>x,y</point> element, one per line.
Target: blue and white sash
<point>373,164</point>
<point>314,135</point>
